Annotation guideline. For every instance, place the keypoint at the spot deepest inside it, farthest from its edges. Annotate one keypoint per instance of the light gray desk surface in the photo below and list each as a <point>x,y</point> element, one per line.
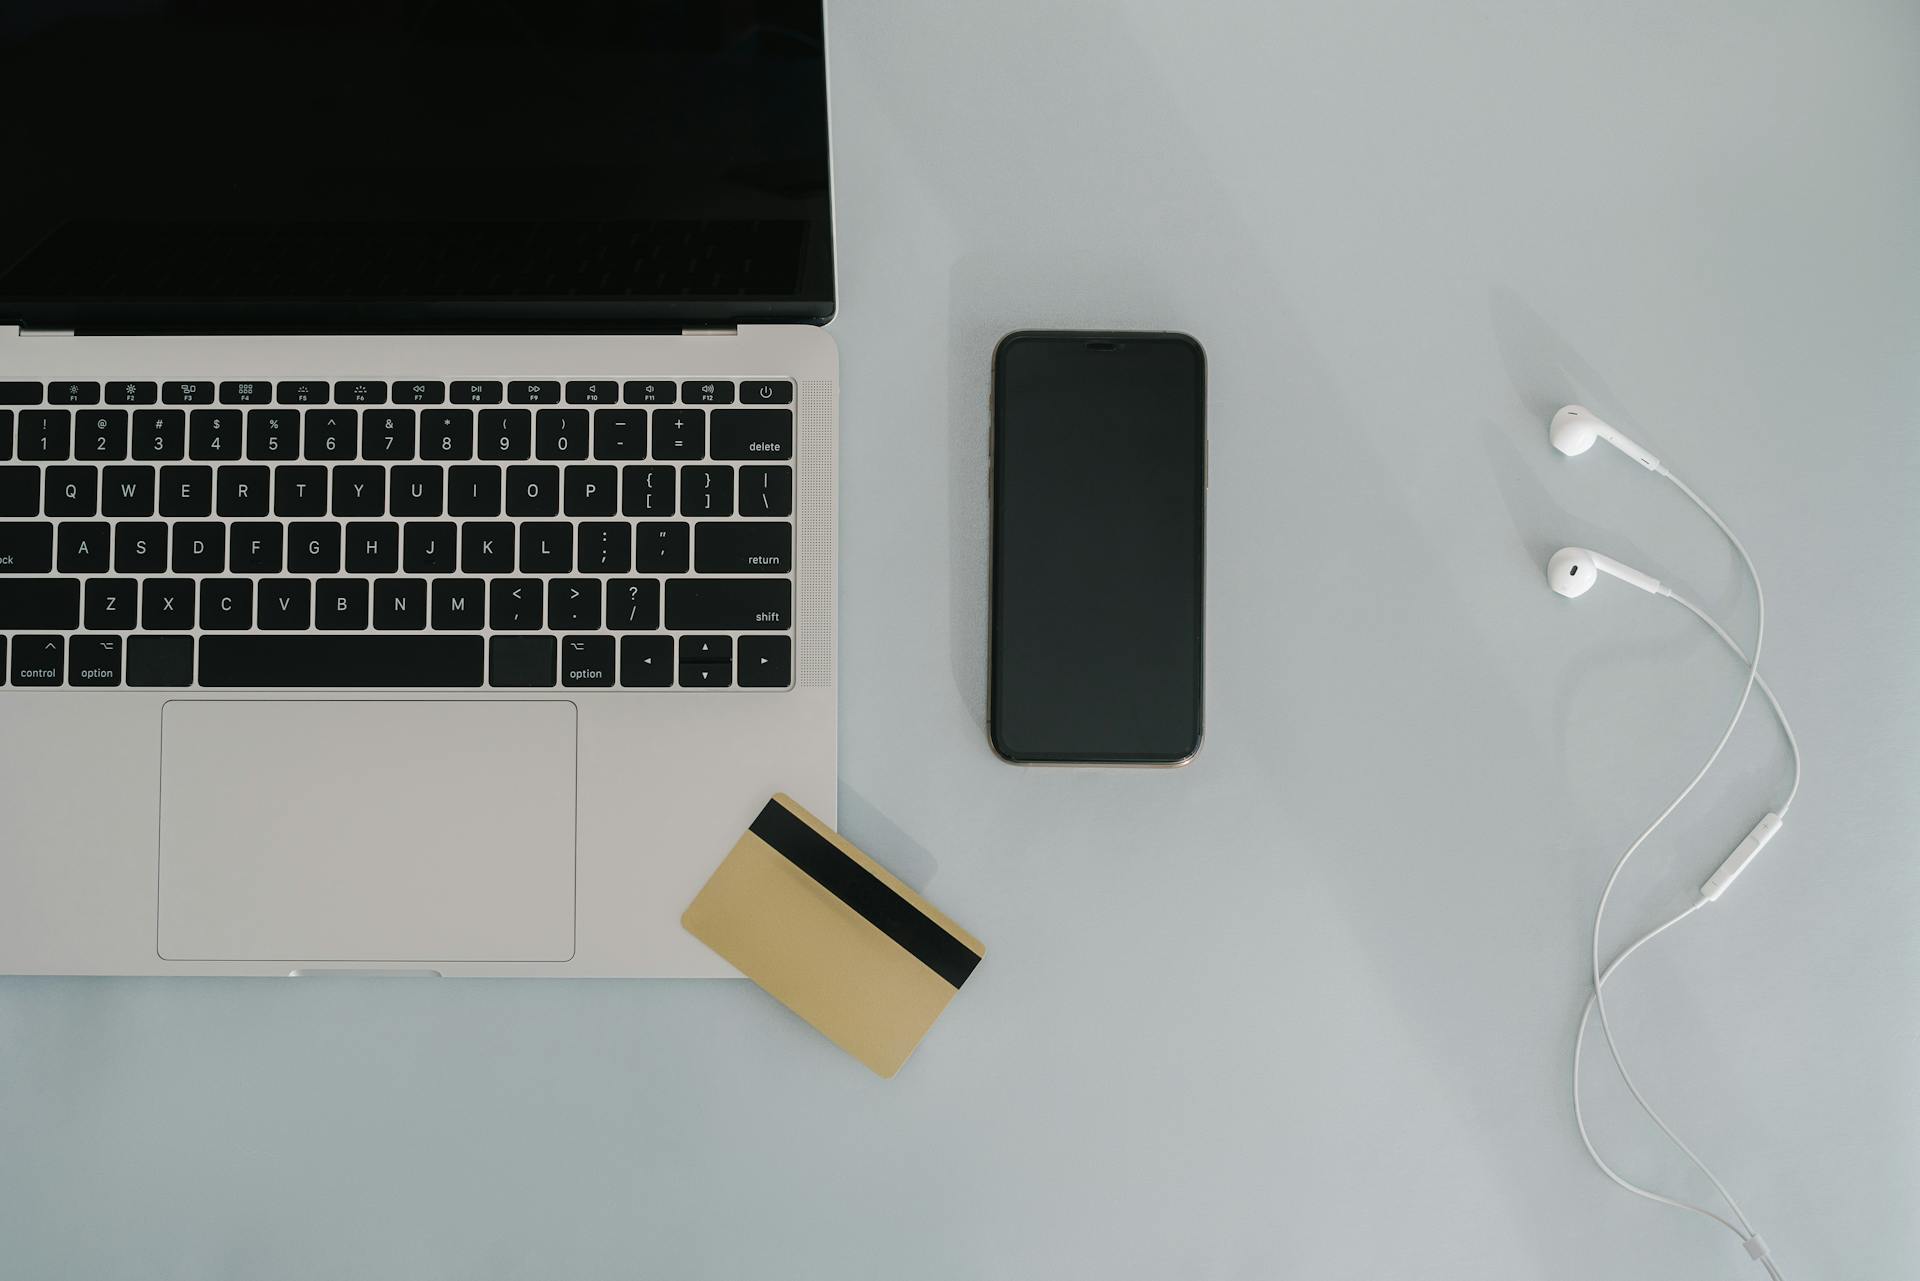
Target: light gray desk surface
<point>1303,1009</point>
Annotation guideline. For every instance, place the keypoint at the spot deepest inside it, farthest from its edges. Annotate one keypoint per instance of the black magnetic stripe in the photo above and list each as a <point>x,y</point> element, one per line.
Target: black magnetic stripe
<point>843,877</point>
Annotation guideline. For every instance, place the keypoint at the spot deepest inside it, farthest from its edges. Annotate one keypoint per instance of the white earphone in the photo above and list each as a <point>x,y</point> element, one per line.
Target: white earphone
<point>1572,572</point>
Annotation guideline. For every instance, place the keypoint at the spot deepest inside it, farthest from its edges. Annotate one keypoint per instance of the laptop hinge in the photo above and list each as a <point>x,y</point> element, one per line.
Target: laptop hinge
<point>711,331</point>
<point>22,331</point>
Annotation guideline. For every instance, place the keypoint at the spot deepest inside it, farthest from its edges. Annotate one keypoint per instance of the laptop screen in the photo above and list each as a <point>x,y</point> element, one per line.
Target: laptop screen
<point>234,165</point>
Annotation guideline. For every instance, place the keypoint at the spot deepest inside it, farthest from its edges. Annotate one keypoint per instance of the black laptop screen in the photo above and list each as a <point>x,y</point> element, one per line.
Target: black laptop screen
<point>245,164</point>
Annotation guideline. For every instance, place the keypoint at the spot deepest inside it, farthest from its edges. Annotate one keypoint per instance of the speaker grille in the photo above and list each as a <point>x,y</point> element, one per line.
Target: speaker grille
<point>818,457</point>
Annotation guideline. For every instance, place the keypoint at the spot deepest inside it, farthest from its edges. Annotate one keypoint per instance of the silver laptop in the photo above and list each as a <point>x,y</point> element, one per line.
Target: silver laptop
<point>417,495</point>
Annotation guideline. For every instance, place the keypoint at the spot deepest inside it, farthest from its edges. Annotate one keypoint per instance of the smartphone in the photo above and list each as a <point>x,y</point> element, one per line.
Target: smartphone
<point>1098,485</point>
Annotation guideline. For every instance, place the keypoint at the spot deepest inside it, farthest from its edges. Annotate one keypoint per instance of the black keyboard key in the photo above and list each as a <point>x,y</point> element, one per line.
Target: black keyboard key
<point>25,549</point>
<point>428,547</point>
<point>706,649</point>
<point>134,393</point>
<point>606,547</point>
<point>38,661</point>
<point>100,435</point>
<point>776,392</point>
<point>373,547</point>
<point>194,393</point>
<point>330,434</point>
<point>159,435</point>
<point>186,491</point>
<point>546,547</point>
<point>226,604</point>
<point>707,392</point>
<point>473,491</point>
<point>73,491</point>
<point>359,491</point>
<point>246,393</point>
<point>533,393</point>
<point>506,434</point>
<point>593,393</point>
<point>417,491</point>
<point>49,604</point>
<point>658,392</point>
<point>360,392</point>
<point>633,604</point>
<point>513,604</point>
<point>21,393</point>
<point>459,604</point>
<point>533,491</point>
<point>646,662</point>
<point>72,393</point>
<point>765,662</point>
<point>620,434</point>
<point>19,491</point>
<point>751,434</point>
<point>590,491</point>
<point>706,675</point>
<point>286,605</point>
<point>166,605</point>
<point>341,662</point>
<point>586,662</point>
<point>214,435</point>
<point>730,604</point>
<point>6,435</point>
<point>706,491</point>
<point>400,605</point>
<point>84,547</point>
<point>256,546</point>
<point>163,662</point>
<point>386,435</point>
<point>140,547</point>
<point>647,491</point>
<point>447,434</point>
<point>128,491</point>
<point>561,434</point>
<point>112,605</point>
<point>340,604</point>
<point>766,491</point>
<point>301,392</point>
<point>44,435</point>
<point>199,547</point>
<point>486,547</point>
<point>299,491</point>
<point>94,662</point>
<point>661,546</point>
<point>476,393</point>
<point>313,547</point>
<point>241,491</point>
<point>419,392</point>
<point>679,434</point>
<point>573,605</point>
<point>742,547</point>
<point>273,435</point>
<point>521,662</point>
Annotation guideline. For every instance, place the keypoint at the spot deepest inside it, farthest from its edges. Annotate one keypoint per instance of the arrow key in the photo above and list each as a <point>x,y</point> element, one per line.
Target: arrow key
<point>766,662</point>
<point>646,662</point>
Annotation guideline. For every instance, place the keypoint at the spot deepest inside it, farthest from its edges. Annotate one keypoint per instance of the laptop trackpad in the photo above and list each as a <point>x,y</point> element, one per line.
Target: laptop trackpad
<point>367,831</point>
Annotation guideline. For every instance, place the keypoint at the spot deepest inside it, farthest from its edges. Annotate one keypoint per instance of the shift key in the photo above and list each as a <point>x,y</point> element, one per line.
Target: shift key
<point>39,604</point>
<point>729,604</point>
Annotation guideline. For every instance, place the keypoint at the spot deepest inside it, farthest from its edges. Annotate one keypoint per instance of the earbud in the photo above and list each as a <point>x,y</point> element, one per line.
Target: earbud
<point>1573,571</point>
<point>1574,430</point>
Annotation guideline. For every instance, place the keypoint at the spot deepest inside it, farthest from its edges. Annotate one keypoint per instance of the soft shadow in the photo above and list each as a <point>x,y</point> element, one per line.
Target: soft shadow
<point>885,840</point>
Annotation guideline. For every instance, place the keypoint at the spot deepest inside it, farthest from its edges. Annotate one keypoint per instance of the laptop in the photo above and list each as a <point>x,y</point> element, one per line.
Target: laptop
<point>417,501</point>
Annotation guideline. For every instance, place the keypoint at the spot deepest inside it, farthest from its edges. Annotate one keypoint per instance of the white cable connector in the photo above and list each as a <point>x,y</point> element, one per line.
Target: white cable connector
<point>1736,863</point>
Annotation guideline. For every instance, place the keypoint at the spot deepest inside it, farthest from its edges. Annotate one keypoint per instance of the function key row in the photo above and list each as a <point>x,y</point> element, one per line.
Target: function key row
<point>373,391</point>
<point>395,435</point>
<point>93,661</point>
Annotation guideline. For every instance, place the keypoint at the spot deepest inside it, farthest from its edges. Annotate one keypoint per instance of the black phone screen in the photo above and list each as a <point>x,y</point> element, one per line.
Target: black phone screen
<point>1099,457</point>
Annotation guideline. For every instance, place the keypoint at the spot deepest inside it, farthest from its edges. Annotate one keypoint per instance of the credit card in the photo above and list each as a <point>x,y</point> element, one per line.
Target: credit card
<point>833,936</point>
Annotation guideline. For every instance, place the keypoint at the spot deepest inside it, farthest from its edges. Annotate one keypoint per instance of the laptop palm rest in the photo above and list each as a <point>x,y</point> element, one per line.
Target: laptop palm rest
<point>367,831</point>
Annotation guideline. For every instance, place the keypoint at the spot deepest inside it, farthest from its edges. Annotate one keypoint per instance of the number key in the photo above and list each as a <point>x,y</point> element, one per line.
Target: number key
<point>330,433</point>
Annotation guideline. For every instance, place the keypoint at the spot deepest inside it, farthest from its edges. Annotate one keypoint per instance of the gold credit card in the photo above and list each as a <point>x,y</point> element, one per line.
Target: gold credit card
<point>834,936</point>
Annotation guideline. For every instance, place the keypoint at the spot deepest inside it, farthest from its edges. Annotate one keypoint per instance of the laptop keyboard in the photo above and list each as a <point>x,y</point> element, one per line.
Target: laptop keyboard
<point>612,534</point>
